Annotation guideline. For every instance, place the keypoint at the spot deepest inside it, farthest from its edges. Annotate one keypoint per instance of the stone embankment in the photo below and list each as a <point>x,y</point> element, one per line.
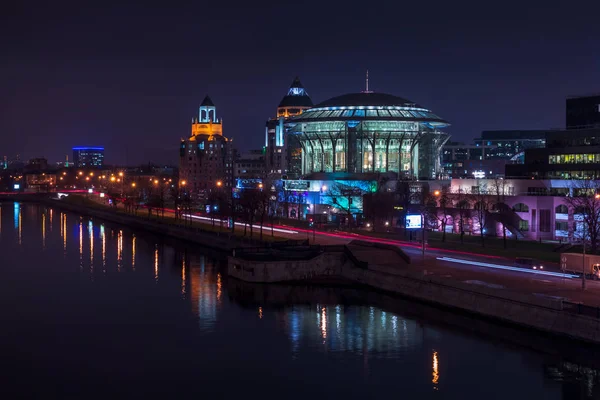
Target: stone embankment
<point>551,315</point>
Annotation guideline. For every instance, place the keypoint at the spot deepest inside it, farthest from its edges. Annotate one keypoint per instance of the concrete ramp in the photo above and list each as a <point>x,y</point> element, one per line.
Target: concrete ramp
<point>378,254</point>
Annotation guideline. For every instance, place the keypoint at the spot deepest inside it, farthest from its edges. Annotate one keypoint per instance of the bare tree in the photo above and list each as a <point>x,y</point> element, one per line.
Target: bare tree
<point>585,201</point>
<point>481,207</point>
<point>439,206</point>
<point>499,188</point>
<point>346,197</point>
<point>463,207</point>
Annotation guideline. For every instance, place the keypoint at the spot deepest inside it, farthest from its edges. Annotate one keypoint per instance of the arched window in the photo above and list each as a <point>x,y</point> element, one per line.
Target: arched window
<point>520,207</point>
<point>562,209</point>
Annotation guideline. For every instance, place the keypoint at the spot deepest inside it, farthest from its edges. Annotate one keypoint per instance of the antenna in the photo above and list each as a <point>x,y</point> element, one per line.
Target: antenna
<point>367,84</point>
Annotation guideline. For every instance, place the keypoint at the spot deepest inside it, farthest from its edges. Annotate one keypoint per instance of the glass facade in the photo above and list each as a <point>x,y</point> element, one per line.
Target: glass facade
<point>402,141</point>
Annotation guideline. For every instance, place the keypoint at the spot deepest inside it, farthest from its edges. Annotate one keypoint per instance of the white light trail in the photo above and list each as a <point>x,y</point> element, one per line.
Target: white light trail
<point>242,224</point>
<point>508,268</point>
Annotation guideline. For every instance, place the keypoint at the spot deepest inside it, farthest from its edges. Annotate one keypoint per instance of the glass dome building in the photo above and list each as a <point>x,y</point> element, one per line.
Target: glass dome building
<point>370,132</point>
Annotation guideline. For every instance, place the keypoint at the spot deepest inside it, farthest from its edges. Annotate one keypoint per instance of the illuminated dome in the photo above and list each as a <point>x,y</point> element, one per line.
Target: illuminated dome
<point>370,132</point>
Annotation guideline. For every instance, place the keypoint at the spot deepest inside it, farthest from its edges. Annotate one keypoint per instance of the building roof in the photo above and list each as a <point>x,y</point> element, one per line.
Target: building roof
<point>369,106</point>
<point>366,99</point>
<point>207,102</point>
<point>296,96</point>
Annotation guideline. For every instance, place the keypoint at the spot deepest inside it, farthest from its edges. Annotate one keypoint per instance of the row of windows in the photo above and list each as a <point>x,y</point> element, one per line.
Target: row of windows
<point>586,158</point>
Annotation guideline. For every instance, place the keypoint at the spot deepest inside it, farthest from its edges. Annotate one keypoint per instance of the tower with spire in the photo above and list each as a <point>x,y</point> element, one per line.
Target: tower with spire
<point>281,151</point>
<point>207,122</point>
<point>206,157</point>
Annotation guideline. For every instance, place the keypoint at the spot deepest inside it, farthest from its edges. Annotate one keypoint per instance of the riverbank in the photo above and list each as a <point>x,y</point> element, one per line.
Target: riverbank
<point>223,241</point>
<point>549,314</point>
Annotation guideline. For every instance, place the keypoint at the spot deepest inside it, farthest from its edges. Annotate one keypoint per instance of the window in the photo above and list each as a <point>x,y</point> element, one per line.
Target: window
<point>561,209</point>
<point>523,225</point>
<point>561,226</point>
<point>520,207</point>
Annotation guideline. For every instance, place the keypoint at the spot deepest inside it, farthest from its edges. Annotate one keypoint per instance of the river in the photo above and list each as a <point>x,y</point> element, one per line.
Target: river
<point>90,309</point>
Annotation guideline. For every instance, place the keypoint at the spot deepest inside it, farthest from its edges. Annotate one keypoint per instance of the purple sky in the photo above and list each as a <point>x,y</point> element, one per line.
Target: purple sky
<point>130,77</point>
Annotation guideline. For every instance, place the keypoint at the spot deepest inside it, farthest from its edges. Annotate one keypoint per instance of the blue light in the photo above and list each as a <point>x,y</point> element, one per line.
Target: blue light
<point>88,148</point>
<point>353,124</point>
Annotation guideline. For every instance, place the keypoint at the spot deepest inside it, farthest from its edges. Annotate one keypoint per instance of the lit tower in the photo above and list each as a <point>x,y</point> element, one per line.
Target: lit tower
<point>283,158</point>
<point>206,157</point>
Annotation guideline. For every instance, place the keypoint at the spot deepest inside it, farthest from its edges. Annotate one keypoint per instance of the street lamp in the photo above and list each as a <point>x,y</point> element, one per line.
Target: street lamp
<point>156,181</point>
<point>133,184</point>
<point>112,179</point>
<point>436,193</point>
<point>219,183</point>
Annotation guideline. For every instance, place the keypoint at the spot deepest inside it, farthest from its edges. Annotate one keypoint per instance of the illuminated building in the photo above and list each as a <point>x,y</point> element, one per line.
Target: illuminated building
<point>88,156</point>
<point>206,157</point>
<point>370,132</point>
<point>283,154</point>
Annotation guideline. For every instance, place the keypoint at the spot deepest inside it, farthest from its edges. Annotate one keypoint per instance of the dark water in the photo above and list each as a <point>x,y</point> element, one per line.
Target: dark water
<point>92,310</point>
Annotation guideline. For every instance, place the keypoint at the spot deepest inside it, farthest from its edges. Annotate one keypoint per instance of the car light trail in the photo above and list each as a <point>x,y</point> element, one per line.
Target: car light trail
<point>242,224</point>
<point>508,268</point>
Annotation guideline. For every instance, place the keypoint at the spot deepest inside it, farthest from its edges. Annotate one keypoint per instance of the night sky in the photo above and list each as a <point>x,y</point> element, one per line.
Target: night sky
<point>131,77</point>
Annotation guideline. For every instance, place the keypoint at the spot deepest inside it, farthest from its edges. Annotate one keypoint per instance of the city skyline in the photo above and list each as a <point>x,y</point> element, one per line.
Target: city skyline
<point>134,89</point>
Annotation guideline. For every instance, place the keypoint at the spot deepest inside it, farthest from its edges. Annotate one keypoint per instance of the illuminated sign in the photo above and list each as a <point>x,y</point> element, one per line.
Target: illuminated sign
<point>90,190</point>
<point>16,186</point>
<point>478,174</point>
<point>414,221</point>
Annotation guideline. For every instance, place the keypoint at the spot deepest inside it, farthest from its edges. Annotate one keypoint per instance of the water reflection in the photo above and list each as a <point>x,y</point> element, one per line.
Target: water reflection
<point>320,329</point>
<point>133,252</point>
<point>103,235</point>
<point>435,374</point>
<point>91,236</point>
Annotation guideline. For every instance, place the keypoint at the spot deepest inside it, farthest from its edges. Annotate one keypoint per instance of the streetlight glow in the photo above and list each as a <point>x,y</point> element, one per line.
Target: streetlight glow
<point>121,173</point>
<point>132,184</point>
<point>219,183</point>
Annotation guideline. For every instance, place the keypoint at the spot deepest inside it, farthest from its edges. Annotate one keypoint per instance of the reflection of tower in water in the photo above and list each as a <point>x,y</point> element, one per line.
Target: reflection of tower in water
<point>205,293</point>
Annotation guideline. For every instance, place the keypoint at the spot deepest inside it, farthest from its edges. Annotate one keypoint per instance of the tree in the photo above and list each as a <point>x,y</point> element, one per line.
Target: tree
<point>481,207</point>
<point>347,197</point>
<point>463,207</point>
<point>250,202</point>
<point>499,188</point>
<point>585,201</point>
<point>442,205</point>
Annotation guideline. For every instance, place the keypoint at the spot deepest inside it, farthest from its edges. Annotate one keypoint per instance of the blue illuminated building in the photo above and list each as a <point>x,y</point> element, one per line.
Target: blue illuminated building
<point>88,156</point>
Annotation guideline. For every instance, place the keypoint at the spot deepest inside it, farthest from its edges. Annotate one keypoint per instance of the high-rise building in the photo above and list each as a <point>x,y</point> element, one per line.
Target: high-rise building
<point>283,154</point>
<point>583,112</point>
<point>206,157</point>
<point>88,156</point>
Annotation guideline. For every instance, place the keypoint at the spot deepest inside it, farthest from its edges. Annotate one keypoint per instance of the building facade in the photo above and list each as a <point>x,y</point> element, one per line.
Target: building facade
<point>88,157</point>
<point>370,132</point>
<point>283,153</point>
<point>206,157</point>
<point>583,112</point>
<point>250,165</point>
<point>509,145</point>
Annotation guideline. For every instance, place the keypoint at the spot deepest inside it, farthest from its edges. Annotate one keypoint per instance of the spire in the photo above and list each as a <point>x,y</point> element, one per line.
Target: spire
<point>207,102</point>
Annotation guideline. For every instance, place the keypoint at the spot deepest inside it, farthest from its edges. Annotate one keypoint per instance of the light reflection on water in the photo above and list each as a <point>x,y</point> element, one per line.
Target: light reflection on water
<point>266,330</point>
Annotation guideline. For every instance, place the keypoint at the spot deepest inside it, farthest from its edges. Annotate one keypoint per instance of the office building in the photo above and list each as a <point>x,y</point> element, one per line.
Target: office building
<point>88,157</point>
<point>206,157</point>
<point>583,112</point>
<point>250,165</point>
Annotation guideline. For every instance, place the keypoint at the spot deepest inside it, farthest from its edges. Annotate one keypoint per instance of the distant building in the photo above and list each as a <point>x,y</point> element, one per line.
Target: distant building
<point>88,157</point>
<point>583,112</point>
<point>508,145</point>
<point>569,154</point>
<point>250,165</point>
<point>460,160</point>
<point>283,154</point>
<point>206,157</point>
<point>37,164</point>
